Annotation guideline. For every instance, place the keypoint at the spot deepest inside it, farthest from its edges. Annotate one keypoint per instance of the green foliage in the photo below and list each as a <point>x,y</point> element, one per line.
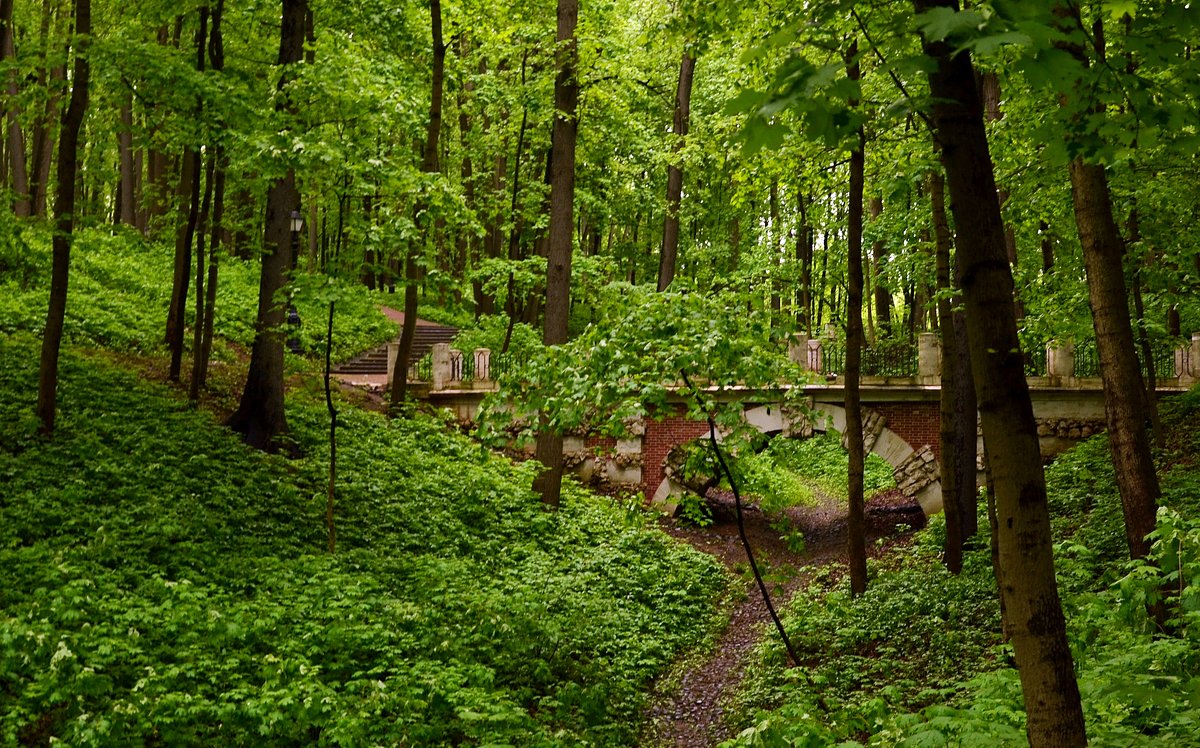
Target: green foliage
<point>629,362</point>
<point>118,299</point>
<point>160,582</point>
<point>792,472</point>
<point>916,660</point>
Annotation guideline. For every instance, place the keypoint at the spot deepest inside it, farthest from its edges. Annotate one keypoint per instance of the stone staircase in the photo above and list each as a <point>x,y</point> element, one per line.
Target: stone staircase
<point>375,360</point>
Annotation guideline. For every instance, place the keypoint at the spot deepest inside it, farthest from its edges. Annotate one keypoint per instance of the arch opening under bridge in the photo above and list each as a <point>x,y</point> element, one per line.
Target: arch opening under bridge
<point>915,469</point>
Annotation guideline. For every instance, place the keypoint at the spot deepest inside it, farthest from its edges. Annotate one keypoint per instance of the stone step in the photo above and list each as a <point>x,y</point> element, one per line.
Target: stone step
<point>375,360</point>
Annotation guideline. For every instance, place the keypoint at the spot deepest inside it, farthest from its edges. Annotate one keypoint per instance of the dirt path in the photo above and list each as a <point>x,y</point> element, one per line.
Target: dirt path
<point>693,716</point>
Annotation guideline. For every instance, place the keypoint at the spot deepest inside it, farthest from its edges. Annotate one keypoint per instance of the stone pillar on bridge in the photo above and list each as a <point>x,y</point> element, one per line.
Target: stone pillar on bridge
<point>1060,360</point>
<point>1189,367</point>
<point>441,365</point>
<point>798,350</point>
<point>929,358</point>
<point>816,360</point>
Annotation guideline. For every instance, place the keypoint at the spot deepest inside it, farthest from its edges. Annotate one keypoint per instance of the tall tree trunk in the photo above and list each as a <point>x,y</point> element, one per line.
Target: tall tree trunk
<point>429,165</point>
<point>216,57</point>
<point>260,417</point>
<point>558,262</point>
<point>15,143</point>
<point>883,294</point>
<point>958,405</point>
<point>670,244</point>
<point>855,527</point>
<point>69,144</point>
<point>189,189</point>
<point>201,299</point>
<point>989,91</point>
<point>127,205</point>
<point>1029,590</point>
<point>1124,397</point>
<point>953,550</point>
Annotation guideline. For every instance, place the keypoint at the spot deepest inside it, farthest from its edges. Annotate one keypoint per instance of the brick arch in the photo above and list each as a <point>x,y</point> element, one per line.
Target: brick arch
<point>912,468</point>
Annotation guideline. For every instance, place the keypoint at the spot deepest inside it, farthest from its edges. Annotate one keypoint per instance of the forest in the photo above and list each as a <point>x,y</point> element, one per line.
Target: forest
<point>644,210</point>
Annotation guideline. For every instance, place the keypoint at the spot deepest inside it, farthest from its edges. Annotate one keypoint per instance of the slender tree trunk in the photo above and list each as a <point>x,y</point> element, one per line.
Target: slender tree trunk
<point>883,294</point>
<point>201,299</point>
<point>429,165</point>
<point>69,144</point>
<point>1028,587</point>
<point>189,188</point>
<point>216,56</point>
<point>260,417</point>
<point>15,144</point>
<point>952,554</point>
<point>214,255</point>
<point>549,447</point>
<point>855,529</point>
<point>1124,394</point>
<point>670,244</point>
<point>127,205</point>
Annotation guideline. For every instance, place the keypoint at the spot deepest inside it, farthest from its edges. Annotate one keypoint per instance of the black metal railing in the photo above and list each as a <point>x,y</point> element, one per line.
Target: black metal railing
<point>1087,361</point>
<point>462,366</point>
<point>890,360</point>
<point>1163,355</point>
<point>421,370</point>
<point>1035,361</point>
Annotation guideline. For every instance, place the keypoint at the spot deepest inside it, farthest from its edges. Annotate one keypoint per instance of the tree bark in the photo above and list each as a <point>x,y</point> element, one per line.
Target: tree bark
<point>216,57</point>
<point>189,188</point>
<point>260,417</point>
<point>69,144</point>
<point>549,447</point>
<point>126,212</point>
<point>429,165</point>
<point>1124,395</point>
<point>15,144</point>
<point>855,526</point>
<point>201,299</point>
<point>1028,587</point>
<point>670,245</point>
<point>883,294</point>
<point>953,549</point>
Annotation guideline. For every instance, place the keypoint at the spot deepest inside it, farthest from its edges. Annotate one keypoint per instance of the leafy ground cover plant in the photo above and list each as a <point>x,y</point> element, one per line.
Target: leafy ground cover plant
<point>118,301</point>
<point>793,472</point>
<point>161,583</point>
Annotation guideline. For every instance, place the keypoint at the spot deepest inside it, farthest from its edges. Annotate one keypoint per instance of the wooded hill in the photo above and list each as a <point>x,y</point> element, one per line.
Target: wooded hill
<point>655,191</point>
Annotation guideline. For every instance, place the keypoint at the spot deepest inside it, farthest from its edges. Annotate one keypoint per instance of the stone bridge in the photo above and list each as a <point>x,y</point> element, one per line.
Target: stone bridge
<point>901,415</point>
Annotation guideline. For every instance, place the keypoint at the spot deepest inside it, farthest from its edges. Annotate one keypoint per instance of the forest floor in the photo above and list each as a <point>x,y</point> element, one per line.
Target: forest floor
<point>691,712</point>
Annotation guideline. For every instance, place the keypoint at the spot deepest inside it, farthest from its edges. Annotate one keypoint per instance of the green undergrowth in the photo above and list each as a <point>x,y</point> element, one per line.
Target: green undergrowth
<point>918,660</point>
<point>798,472</point>
<point>161,584</point>
<point>119,293</point>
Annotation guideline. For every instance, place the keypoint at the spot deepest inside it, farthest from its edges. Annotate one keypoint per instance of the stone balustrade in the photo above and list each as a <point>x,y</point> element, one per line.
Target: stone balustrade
<point>451,369</point>
<point>1060,363</point>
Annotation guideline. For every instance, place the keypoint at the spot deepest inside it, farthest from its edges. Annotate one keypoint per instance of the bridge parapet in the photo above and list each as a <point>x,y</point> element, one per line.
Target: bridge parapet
<point>1059,364</point>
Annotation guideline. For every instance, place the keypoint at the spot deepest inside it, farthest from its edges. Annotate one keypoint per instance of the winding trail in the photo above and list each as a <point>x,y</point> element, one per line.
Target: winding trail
<point>693,715</point>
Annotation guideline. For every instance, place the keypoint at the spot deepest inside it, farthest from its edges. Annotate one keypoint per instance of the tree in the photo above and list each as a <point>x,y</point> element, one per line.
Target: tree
<point>1028,586</point>
<point>670,242</point>
<point>260,417</point>
<point>64,218</point>
<point>855,531</point>
<point>15,144</point>
<point>1124,394</point>
<point>429,165</point>
<point>562,202</point>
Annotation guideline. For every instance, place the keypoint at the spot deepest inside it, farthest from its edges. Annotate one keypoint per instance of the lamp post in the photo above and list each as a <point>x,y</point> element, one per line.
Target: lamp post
<point>296,225</point>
